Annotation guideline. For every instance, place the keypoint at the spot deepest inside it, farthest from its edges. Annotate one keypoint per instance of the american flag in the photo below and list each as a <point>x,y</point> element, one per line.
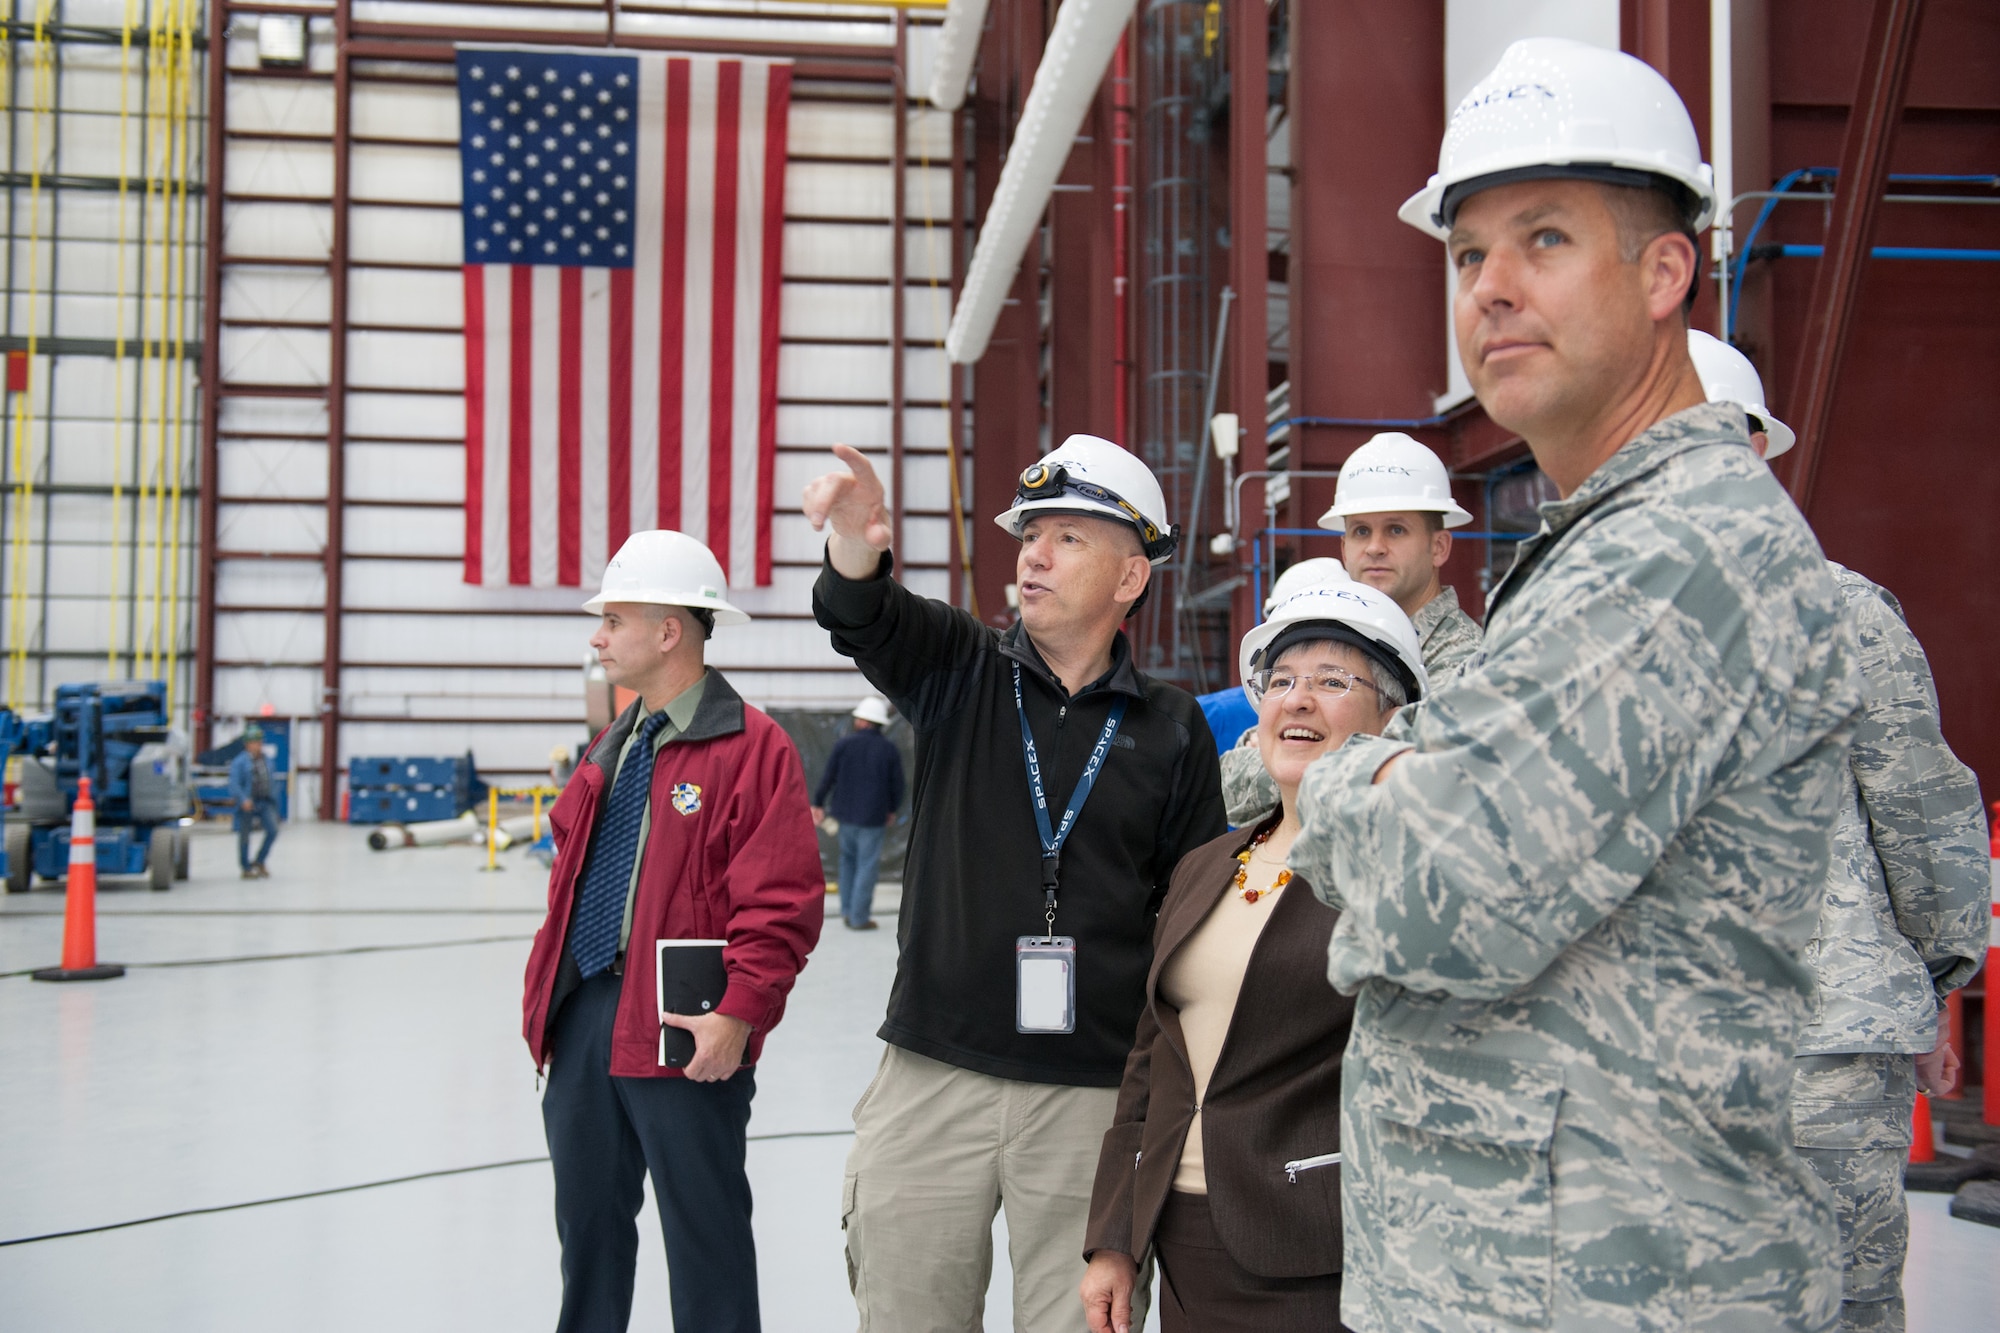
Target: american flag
<point>622,215</point>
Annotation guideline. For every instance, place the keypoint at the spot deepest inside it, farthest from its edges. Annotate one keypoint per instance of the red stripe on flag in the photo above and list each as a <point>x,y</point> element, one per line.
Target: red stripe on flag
<point>475,420</point>
<point>569,431</point>
<point>722,331</point>
<point>673,293</point>
<point>520,428</point>
<point>618,432</point>
<point>775,124</point>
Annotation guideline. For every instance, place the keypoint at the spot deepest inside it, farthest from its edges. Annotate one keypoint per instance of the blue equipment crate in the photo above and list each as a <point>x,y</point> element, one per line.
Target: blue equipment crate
<point>378,771</point>
<point>378,806</point>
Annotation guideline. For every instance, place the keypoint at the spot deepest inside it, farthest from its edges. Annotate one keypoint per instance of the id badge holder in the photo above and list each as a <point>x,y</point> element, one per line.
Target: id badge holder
<point>1045,984</point>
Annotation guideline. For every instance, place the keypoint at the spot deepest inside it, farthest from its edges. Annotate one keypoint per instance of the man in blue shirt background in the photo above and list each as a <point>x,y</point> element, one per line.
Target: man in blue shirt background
<point>865,775</point>
<point>254,797</point>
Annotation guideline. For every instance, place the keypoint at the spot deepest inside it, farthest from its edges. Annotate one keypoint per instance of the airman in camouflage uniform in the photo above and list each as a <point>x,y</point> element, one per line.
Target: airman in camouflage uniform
<point>1903,924</point>
<point>1448,636</point>
<point>1573,910</point>
<point>1576,885</point>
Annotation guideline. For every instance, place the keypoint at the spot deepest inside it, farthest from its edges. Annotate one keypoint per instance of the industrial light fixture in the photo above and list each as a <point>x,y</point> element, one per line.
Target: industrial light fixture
<point>1224,429</point>
<point>281,40</point>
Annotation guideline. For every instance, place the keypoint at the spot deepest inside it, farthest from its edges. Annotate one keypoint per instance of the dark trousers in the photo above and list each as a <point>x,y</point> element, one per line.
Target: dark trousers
<point>1204,1290</point>
<point>605,1134</point>
<point>266,814</point>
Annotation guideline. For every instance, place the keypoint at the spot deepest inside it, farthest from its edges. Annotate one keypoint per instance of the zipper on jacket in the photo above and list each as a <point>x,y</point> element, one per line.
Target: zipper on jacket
<point>1292,1169</point>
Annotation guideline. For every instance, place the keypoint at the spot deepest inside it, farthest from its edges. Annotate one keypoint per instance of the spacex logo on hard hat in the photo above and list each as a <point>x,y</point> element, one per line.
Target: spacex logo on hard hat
<point>1515,93</point>
<point>1382,470</point>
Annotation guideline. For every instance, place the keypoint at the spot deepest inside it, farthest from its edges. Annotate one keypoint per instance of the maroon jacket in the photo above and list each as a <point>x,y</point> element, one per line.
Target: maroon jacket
<point>741,865</point>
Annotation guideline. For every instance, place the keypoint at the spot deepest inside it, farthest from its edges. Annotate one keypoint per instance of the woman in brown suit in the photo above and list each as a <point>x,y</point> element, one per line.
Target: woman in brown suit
<point>1223,1156</point>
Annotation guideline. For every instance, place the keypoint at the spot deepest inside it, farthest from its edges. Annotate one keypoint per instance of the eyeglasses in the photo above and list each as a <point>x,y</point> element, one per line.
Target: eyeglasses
<point>1332,682</point>
<point>1042,482</point>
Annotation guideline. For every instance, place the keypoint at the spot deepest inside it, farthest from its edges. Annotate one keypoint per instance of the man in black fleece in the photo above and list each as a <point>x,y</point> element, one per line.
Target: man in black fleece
<point>982,1102</point>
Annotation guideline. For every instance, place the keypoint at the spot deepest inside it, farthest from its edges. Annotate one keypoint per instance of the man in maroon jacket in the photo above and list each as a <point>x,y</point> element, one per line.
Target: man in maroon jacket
<point>686,820</point>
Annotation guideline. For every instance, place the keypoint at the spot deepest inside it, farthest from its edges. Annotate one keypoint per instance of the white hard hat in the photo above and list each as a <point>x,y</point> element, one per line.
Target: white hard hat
<point>1555,107</point>
<point>873,709</point>
<point>1389,474</point>
<point>1352,613</point>
<point>1305,574</point>
<point>1728,377</point>
<point>666,568</point>
<point>1093,476</point>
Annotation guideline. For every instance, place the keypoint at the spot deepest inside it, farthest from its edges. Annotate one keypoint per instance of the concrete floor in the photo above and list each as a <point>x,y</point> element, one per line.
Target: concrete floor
<point>348,1030</point>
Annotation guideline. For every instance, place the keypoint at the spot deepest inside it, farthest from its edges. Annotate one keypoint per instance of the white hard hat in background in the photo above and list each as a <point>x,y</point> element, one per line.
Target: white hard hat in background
<point>873,709</point>
<point>1728,377</point>
<point>1093,476</point>
<point>1350,613</point>
<point>666,568</point>
<point>1305,574</point>
<point>1389,474</point>
<point>1555,107</point>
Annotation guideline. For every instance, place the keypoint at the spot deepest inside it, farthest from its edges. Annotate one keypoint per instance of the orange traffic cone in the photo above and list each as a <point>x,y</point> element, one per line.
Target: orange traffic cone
<point>79,955</point>
<point>1923,1139</point>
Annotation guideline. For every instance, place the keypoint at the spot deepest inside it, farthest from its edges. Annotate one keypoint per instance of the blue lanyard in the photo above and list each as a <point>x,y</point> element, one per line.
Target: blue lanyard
<point>1054,837</point>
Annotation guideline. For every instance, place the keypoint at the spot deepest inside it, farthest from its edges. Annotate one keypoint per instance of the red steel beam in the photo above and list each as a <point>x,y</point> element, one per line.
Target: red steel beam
<point>1864,170</point>
<point>1006,407</point>
<point>1672,36</point>
<point>1249,261</point>
<point>336,416</point>
<point>211,379</point>
<point>962,593</point>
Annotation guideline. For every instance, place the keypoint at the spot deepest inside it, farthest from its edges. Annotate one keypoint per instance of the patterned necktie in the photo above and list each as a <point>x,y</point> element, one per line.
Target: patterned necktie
<point>607,876</point>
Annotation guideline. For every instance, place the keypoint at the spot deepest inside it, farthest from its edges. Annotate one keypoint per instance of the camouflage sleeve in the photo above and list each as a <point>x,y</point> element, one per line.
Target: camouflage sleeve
<point>1248,792</point>
<point>1922,803</point>
<point>1530,800</point>
<point>1449,647</point>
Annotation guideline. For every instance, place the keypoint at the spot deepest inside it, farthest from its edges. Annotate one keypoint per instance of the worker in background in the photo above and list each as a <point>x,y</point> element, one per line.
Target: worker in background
<point>1576,884</point>
<point>1056,788</point>
<point>255,799</point>
<point>686,819</point>
<point>865,775</point>
<point>1392,506</point>
<point>1903,924</point>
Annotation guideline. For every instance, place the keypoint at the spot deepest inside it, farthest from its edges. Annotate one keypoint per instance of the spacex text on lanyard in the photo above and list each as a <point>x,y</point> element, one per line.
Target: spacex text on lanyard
<point>1054,837</point>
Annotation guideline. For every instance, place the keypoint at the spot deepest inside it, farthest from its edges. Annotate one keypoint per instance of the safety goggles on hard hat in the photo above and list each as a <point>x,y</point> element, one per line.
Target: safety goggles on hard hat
<point>1330,681</point>
<point>1042,483</point>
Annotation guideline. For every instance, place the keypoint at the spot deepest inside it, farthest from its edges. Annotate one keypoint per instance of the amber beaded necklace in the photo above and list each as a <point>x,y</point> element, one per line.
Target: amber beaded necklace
<point>1243,872</point>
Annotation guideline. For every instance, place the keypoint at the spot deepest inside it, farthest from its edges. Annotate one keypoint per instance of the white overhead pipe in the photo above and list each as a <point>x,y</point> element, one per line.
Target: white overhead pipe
<point>1073,64</point>
<point>957,47</point>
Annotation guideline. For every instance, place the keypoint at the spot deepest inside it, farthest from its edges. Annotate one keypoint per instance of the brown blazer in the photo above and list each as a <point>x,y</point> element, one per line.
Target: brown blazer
<point>1274,1097</point>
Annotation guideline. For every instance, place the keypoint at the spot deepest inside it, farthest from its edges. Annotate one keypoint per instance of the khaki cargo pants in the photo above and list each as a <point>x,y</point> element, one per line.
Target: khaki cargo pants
<point>938,1150</point>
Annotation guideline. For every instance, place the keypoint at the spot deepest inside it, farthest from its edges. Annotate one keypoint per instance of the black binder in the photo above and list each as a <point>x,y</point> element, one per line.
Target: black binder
<point>689,979</point>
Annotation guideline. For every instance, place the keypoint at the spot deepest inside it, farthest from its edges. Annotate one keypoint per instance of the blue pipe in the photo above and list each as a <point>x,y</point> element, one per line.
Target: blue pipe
<point>1792,178</point>
<point>1374,423</point>
<point>1455,532</point>
<point>1887,252</point>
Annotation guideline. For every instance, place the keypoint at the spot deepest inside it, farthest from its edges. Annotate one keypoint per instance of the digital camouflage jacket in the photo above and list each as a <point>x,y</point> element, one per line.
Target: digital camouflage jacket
<point>1905,918</point>
<point>1574,915</point>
